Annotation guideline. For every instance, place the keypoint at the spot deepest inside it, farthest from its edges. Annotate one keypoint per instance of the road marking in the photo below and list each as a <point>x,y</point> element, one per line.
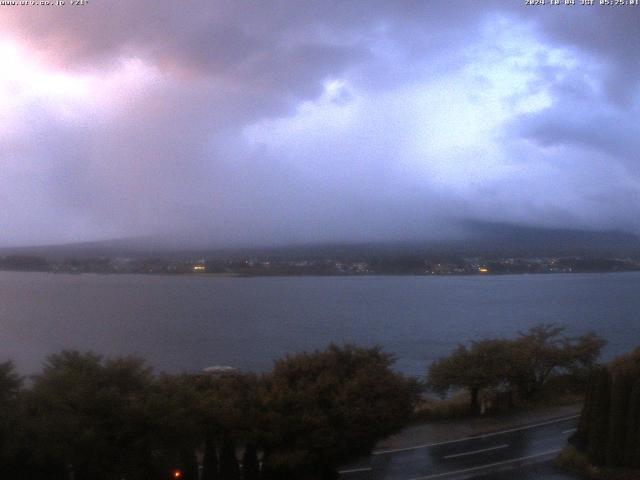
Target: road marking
<point>476,451</point>
<point>489,465</point>
<point>571,430</point>
<point>475,437</point>
<point>354,470</point>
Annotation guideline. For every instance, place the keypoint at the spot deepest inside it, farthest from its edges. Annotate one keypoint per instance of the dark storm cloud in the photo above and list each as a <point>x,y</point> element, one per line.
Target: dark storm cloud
<point>597,107</point>
<point>615,133</point>
<point>609,36</point>
<point>285,121</point>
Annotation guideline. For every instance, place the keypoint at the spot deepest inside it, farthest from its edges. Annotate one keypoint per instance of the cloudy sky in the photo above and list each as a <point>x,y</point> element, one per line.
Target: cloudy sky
<point>269,121</point>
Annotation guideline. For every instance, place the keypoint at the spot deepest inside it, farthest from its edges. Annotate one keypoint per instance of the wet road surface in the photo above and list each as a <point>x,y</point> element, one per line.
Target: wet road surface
<point>525,449</point>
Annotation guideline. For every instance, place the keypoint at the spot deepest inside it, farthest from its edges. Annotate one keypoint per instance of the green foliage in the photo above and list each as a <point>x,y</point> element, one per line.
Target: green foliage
<point>452,408</point>
<point>210,460</point>
<point>632,441</point>
<point>610,422</point>
<point>10,384</point>
<point>229,467</point>
<point>250,464</point>
<point>522,366</point>
<point>598,431</point>
<point>484,365</point>
<point>541,352</point>
<point>90,414</point>
<point>108,419</point>
<point>573,460</point>
<point>326,407</point>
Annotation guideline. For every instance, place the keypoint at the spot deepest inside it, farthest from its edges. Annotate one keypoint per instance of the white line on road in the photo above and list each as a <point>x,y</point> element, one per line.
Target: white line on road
<point>571,430</point>
<point>489,465</point>
<point>476,451</point>
<point>355,470</point>
<point>475,437</point>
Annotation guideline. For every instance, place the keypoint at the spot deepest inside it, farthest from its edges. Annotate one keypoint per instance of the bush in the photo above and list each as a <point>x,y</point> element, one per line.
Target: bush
<point>575,461</point>
<point>448,409</point>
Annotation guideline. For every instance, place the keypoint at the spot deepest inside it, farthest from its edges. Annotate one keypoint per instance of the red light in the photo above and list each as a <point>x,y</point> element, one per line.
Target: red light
<point>177,474</point>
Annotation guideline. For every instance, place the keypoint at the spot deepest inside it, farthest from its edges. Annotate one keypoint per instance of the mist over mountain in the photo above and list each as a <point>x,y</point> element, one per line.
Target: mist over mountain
<point>295,123</point>
<point>473,239</point>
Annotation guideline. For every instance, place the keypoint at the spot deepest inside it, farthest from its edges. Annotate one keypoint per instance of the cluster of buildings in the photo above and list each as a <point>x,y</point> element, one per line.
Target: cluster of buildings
<point>281,266</point>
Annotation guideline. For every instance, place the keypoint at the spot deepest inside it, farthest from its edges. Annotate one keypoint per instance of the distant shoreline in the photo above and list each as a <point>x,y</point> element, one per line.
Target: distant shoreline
<point>316,275</point>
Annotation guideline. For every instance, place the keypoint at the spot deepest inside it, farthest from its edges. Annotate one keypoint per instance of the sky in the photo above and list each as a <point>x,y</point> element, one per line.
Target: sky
<point>278,122</point>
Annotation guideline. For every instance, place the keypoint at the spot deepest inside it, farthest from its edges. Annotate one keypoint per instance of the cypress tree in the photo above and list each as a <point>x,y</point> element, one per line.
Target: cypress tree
<point>210,461</point>
<point>229,468</point>
<point>580,438</point>
<point>619,410</point>
<point>250,466</point>
<point>632,442</point>
<point>267,471</point>
<point>599,422</point>
<point>189,465</point>
<point>610,420</point>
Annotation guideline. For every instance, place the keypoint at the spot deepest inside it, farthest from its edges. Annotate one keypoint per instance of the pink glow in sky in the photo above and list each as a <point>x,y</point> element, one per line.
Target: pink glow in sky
<point>278,122</point>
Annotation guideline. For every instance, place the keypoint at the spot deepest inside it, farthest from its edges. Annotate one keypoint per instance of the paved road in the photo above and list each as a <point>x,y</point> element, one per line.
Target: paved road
<point>472,457</point>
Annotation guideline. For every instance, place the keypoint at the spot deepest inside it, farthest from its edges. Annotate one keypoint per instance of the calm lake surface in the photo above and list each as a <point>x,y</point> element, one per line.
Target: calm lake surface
<point>183,323</point>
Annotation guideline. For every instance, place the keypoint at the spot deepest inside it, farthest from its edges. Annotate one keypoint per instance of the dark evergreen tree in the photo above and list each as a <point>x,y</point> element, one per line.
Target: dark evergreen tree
<point>599,421</point>
<point>579,439</point>
<point>10,384</point>
<point>609,427</point>
<point>632,442</point>
<point>189,465</point>
<point>619,412</point>
<point>229,467</point>
<point>250,466</point>
<point>210,461</point>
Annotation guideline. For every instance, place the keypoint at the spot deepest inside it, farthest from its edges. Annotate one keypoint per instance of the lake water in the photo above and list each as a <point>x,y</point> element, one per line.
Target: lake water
<point>185,323</point>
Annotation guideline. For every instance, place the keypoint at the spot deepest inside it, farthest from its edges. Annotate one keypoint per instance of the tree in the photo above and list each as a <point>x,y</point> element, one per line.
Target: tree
<point>536,354</point>
<point>250,464</point>
<point>484,365</point>
<point>541,352</point>
<point>10,384</point>
<point>210,460</point>
<point>176,421</point>
<point>229,467</point>
<point>581,354</point>
<point>87,415</point>
<point>524,364</point>
<point>103,419</point>
<point>326,407</point>
<point>228,409</point>
<point>610,421</point>
<point>632,443</point>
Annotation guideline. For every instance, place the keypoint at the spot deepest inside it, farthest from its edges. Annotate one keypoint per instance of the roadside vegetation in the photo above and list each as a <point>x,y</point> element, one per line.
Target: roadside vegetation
<point>539,366</point>
<point>86,417</point>
<point>92,418</point>
<point>607,442</point>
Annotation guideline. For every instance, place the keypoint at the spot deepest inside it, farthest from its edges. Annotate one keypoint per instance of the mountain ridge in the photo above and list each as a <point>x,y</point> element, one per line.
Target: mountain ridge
<point>476,239</point>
